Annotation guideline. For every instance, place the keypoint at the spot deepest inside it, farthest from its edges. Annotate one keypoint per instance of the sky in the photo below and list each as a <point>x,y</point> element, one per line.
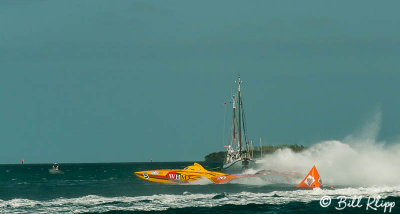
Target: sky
<point>126,81</point>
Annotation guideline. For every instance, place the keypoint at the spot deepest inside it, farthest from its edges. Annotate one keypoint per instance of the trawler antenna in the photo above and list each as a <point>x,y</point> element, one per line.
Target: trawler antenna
<point>239,83</point>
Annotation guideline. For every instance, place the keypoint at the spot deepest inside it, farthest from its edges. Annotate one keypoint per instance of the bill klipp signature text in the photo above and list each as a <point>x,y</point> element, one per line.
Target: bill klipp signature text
<point>372,203</point>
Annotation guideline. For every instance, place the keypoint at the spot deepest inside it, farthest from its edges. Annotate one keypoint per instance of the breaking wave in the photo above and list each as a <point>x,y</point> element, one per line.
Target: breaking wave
<point>93,203</point>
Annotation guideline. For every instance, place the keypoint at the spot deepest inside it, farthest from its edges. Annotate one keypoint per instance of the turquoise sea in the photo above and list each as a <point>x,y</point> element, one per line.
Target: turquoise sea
<point>113,188</point>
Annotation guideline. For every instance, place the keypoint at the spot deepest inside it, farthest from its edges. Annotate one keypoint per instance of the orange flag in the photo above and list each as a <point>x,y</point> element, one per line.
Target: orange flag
<point>312,180</point>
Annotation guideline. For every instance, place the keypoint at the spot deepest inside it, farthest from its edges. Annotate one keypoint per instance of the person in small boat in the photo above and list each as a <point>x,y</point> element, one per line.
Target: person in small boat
<point>55,166</point>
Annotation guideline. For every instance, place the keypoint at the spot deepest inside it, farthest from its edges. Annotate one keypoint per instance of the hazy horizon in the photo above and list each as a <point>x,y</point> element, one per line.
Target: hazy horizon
<point>126,81</point>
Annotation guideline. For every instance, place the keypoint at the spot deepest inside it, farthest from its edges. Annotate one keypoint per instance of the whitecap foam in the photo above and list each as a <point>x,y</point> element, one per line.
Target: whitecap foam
<point>93,203</point>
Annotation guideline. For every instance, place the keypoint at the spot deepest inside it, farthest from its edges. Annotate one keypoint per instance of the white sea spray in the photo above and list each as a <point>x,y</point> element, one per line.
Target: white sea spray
<point>356,160</point>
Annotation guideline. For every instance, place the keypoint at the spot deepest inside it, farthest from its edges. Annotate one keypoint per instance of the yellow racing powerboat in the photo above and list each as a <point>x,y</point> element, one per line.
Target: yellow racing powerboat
<point>189,175</point>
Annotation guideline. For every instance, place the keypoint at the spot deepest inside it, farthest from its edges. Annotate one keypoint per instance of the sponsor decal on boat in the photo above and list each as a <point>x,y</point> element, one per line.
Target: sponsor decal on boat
<point>309,180</point>
<point>221,178</point>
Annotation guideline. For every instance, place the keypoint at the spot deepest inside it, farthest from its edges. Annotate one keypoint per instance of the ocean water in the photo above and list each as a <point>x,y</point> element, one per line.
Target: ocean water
<point>113,188</point>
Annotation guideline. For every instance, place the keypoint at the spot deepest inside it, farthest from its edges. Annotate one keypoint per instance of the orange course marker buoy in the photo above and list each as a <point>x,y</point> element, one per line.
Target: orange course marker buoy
<point>311,181</point>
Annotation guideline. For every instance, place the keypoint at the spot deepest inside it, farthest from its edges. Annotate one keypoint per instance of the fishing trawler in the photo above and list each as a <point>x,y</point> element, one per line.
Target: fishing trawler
<point>238,159</point>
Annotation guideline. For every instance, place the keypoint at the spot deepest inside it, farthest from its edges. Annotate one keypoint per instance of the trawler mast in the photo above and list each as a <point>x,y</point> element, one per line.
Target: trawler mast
<point>240,122</point>
<point>234,119</point>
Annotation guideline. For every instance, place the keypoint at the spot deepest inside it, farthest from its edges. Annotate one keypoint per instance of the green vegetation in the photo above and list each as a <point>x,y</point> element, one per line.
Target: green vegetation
<point>220,156</point>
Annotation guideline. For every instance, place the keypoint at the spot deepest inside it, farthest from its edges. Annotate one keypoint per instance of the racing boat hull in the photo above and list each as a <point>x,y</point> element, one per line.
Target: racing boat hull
<point>190,175</point>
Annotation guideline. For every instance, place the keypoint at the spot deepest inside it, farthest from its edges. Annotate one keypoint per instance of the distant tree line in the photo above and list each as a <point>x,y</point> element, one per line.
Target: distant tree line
<point>265,150</point>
